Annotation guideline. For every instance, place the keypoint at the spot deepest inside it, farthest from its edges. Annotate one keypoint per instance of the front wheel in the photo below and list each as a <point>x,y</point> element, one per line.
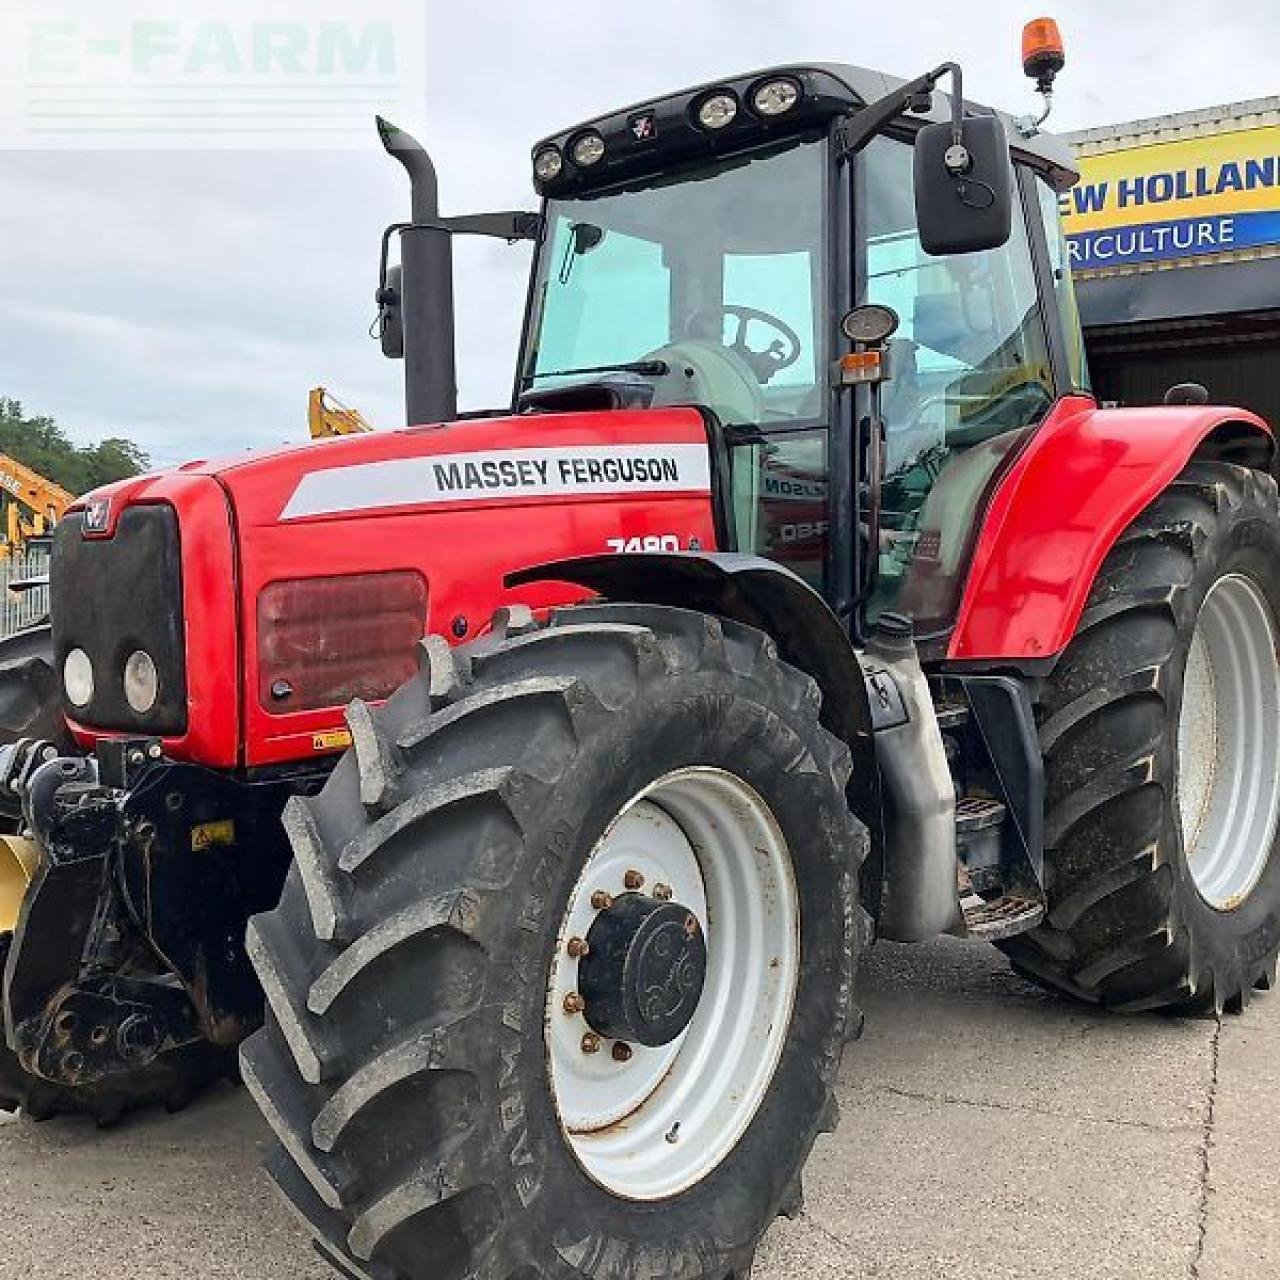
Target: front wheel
<point>560,982</point>
<point>1161,731</point>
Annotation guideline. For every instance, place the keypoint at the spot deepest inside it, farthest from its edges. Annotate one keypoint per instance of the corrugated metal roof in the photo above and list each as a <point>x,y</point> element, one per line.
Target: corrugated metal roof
<point>1250,114</point>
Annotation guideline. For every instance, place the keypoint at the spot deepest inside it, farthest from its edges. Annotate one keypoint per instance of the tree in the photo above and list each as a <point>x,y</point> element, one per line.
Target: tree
<point>43,446</point>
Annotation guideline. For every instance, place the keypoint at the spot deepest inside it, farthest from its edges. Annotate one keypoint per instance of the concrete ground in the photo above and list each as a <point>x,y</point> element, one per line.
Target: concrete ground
<point>988,1131</point>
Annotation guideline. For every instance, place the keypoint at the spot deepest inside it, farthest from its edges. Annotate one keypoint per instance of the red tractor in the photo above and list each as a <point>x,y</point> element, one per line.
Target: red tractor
<point>802,595</point>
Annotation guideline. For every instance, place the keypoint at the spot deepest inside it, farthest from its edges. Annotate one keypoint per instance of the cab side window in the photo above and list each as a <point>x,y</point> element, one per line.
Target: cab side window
<point>970,371</point>
<point>1064,287</point>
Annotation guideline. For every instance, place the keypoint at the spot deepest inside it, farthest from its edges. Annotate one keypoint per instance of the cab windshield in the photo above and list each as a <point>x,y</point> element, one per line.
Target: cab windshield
<point>710,283</point>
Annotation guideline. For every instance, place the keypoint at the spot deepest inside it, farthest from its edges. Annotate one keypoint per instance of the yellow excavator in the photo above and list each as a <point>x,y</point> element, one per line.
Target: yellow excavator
<point>32,505</point>
<point>327,416</point>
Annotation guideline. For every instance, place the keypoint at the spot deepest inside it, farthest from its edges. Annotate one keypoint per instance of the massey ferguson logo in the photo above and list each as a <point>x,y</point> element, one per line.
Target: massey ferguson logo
<point>644,126</point>
<point>97,515</point>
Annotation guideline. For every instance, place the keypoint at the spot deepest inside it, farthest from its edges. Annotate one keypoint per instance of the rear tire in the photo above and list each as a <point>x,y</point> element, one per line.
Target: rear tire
<point>1162,845</point>
<point>408,1062</point>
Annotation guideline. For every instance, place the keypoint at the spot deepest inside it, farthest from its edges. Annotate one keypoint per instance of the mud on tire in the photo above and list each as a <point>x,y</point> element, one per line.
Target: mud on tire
<point>1127,925</point>
<point>403,1064</point>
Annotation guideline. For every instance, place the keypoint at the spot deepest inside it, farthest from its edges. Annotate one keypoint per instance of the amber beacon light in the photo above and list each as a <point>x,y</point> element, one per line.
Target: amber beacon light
<point>1043,54</point>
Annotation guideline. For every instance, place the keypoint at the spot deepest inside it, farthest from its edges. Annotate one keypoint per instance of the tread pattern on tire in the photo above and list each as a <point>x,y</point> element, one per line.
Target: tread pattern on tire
<point>1117,933</point>
<point>394,879</point>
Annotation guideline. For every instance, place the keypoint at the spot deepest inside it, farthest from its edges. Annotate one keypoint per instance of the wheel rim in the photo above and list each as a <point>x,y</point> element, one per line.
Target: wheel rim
<point>1229,743</point>
<point>649,1122</point>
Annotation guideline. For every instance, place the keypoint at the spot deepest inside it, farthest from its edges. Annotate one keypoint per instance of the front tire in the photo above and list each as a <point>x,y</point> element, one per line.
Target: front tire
<point>1160,727</point>
<point>444,1109</point>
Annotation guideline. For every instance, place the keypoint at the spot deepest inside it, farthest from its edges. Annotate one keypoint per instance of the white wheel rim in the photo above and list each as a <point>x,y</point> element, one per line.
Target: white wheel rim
<point>660,1122</point>
<point>1229,743</point>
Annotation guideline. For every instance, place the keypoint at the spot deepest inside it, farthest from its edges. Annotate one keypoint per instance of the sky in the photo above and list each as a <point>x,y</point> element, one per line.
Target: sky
<point>187,299</point>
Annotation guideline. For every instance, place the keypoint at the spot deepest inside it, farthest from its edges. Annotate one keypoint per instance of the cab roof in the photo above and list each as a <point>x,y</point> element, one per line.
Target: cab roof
<point>828,90</point>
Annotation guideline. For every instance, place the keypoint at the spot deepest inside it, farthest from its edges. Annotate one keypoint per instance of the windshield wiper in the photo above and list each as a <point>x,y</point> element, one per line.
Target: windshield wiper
<point>648,368</point>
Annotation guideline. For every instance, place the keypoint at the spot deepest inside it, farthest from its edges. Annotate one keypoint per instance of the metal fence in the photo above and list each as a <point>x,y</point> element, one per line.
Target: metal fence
<point>20,609</point>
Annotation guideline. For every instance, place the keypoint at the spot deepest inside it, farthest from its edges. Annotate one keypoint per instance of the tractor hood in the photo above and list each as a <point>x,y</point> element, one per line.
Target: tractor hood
<point>480,462</point>
<point>350,550</point>
<point>301,578</point>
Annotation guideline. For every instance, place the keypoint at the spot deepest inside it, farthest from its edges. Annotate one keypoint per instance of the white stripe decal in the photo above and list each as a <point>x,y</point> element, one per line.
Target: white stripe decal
<point>503,473</point>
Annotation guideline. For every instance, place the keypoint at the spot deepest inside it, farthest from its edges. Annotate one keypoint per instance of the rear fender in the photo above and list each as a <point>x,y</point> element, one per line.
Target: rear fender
<point>1062,505</point>
<point>767,596</point>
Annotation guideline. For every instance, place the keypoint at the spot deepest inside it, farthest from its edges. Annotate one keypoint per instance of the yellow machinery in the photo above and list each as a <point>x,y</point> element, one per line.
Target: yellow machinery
<point>18,858</point>
<point>32,504</point>
<point>327,417</point>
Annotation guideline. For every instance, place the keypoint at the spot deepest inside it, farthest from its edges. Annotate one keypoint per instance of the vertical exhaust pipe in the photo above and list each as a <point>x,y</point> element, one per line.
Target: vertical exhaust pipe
<point>426,303</point>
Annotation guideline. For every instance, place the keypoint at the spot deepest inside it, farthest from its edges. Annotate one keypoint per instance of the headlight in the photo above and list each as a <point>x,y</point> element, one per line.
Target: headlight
<point>141,682</point>
<point>548,164</point>
<point>588,150</point>
<point>77,678</point>
<point>718,111</point>
<point>776,97</point>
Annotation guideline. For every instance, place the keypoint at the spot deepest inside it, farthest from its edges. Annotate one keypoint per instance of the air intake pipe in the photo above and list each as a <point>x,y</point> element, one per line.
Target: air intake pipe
<point>426,289</point>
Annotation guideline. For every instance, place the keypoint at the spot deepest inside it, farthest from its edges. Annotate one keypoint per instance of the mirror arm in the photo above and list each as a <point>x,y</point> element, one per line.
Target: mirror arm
<point>873,118</point>
<point>511,227</point>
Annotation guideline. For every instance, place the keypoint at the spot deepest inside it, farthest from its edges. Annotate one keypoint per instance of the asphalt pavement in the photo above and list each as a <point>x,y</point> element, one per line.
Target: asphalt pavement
<point>988,1130</point>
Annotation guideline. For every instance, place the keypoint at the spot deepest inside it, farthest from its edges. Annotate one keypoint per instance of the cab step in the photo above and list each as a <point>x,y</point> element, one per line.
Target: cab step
<point>978,813</point>
<point>951,714</point>
<point>1001,917</point>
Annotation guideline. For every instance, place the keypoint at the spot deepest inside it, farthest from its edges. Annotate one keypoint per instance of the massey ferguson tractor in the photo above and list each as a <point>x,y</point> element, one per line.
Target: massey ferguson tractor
<point>549,769</point>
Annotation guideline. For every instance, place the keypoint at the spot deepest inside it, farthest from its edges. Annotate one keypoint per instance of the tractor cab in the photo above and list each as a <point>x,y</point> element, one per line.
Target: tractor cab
<point>709,248</point>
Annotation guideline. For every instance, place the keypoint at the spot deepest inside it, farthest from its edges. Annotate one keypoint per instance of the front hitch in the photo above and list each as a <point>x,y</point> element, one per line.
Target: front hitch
<point>129,940</point>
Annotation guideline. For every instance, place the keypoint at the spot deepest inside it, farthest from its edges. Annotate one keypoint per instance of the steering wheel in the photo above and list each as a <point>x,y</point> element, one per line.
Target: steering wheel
<point>778,355</point>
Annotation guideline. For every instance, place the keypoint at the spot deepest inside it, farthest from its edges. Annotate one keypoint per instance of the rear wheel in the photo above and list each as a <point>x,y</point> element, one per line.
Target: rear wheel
<point>560,981</point>
<point>1161,732</point>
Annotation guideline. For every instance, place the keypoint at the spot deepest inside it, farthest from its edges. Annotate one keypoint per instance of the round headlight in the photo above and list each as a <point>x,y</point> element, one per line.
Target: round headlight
<point>77,678</point>
<point>588,150</point>
<point>548,164</point>
<point>141,682</point>
<point>776,97</point>
<point>718,111</point>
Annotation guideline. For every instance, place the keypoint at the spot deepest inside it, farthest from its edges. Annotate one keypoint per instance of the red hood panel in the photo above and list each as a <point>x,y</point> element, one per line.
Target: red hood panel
<point>516,459</point>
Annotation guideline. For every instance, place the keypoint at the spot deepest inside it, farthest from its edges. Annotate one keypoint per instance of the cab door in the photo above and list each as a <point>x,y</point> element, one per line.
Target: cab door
<point>972,375</point>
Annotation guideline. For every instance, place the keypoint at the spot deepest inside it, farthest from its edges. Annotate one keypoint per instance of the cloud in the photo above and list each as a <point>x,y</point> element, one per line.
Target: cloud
<point>189,299</point>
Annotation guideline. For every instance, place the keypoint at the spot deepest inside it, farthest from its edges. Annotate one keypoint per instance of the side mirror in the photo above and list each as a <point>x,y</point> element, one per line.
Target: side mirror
<point>1187,393</point>
<point>964,188</point>
<point>390,321</point>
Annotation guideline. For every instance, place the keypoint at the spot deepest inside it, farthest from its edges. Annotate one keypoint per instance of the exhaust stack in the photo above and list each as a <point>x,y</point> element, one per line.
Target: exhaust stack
<point>426,302</point>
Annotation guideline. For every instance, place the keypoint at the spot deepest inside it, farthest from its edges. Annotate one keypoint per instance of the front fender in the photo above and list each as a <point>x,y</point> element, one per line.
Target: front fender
<point>764,595</point>
<point>1082,479</point>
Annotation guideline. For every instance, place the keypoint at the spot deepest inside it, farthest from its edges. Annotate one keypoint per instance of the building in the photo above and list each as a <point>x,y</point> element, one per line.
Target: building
<point>1175,241</point>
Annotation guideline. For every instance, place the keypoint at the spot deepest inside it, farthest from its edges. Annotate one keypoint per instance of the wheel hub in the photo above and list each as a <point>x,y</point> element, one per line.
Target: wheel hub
<point>643,974</point>
<point>670,989</point>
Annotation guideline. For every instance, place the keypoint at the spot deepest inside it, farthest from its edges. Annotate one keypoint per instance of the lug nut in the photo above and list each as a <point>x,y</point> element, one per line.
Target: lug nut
<point>578,948</point>
<point>591,1043</point>
<point>601,901</point>
<point>621,1051</point>
<point>574,1003</point>
<point>662,892</point>
<point>633,880</point>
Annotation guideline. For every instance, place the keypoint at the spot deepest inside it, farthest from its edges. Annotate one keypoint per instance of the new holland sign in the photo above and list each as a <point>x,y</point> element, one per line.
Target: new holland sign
<point>1168,200</point>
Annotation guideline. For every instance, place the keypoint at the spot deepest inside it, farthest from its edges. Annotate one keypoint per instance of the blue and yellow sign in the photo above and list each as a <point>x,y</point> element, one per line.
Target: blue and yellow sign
<point>1204,195</point>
